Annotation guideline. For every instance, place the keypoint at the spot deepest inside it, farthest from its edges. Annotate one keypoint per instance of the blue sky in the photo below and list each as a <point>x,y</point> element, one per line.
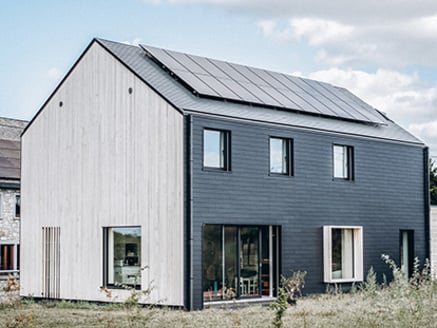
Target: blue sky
<point>384,53</point>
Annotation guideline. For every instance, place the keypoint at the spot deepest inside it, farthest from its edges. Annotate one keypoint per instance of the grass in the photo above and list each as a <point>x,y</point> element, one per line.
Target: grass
<point>343,310</point>
<point>398,304</point>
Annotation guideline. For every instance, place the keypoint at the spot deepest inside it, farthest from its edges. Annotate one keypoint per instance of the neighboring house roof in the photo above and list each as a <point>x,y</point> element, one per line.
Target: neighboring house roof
<point>10,148</point>
<point>194,84</point>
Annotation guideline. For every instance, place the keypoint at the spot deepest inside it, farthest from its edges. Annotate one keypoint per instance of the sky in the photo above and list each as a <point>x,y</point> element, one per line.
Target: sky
<point>383,51</point>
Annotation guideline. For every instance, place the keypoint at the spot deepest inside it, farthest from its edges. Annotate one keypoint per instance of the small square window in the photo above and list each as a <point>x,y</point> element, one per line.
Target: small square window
<point>281,156</point>
<point>122,256</point>
<point>9,259</point>
<point>216,149</point>
<point>343,254</point>
<point>17,206</point>
<point>343,162</point>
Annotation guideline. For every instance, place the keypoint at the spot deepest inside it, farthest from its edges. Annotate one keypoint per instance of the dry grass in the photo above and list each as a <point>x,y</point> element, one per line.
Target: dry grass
<point>344,310</point>
<point>398,304</point>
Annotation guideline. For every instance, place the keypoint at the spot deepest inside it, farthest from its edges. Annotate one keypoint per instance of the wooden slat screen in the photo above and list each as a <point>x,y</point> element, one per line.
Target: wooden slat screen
<point>51,261</point>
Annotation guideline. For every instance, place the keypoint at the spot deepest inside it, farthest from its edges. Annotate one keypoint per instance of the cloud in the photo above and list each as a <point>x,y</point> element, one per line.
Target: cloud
<point>317,31</point>
<point>389,33</point>
<point>134,42</point>
<point>54,73</point>
<point>391,44</point>
<point>356,12</point>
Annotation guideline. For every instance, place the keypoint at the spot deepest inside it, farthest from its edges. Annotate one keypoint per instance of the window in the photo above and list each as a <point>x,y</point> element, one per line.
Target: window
<point>122,256</point>
<point>9,259</point>
<point>240,261</point>
<point>17,205</point>
<point>216,149</point>
<point>1,205</point>
<point>281,151</point>
<point>343,162</point>
<point>343,253</point>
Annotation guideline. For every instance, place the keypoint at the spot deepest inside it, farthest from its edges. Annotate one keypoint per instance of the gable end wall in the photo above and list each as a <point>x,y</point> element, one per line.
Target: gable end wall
<point>105,157</point>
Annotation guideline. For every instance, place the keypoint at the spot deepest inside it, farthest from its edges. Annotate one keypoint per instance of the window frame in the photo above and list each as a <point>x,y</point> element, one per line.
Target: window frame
<point>349,157</point>
<point>289,156</point>
<point>225,151</point>
<point>357,254</point>
<point>17,198</point>
<point>106,260</point>
<point>15,260</point>
<point>1,205</point>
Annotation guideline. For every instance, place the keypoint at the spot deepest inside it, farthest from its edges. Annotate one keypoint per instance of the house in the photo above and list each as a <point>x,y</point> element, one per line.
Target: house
<point>218,177</point>
<point>10,131</point>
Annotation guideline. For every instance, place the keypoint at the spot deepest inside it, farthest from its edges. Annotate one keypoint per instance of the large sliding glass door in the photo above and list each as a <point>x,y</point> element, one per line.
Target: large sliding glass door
<point>239,261</point>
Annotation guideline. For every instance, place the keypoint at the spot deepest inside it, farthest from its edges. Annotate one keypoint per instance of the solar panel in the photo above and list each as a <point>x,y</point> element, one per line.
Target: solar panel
<point>234,82</point>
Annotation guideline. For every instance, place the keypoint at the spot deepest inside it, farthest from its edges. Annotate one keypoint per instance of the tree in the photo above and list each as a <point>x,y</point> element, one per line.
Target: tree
<point>433,182</point>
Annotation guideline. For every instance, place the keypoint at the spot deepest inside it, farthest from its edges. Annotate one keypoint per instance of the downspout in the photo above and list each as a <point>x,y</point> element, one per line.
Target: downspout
<point>426,197</point>
<point>189,217</point>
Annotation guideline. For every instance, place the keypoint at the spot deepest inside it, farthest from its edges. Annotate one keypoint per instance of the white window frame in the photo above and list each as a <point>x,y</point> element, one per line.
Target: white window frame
<point>347,163</point>
<point>14,271</point>
<point>357,254</point>
<point>1,205</point>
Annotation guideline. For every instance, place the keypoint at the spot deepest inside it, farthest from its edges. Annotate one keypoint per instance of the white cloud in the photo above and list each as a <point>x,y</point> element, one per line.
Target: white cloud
<point>379,32</point>
<point>319,31</point>
<point>134,42</point>
<point>355,12</point>
<point>391,43</point>
<point>54,73</point>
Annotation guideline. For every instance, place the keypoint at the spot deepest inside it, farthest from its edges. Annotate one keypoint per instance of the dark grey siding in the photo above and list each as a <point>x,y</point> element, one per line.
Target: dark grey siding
<point>386,195</point>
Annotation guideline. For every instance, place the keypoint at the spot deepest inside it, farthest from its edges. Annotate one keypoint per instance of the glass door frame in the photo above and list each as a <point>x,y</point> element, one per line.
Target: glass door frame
<point>228,284</point>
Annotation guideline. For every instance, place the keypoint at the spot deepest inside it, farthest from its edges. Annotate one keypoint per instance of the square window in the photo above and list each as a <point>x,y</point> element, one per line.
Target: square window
<point>343,162</point>
<point>281,156</point>
<point>122,247</point>
<point>343,254</point>
<point>9,259</point>
<point>216,149</point>
<point>17,206</point>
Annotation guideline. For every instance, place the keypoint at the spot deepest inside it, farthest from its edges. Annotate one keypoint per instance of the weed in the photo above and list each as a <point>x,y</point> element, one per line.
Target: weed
<point>291,288</point>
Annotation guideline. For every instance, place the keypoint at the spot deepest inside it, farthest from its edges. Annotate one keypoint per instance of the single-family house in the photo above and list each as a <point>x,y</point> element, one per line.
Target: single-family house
<point>10,132</point>
<point>207,180</point>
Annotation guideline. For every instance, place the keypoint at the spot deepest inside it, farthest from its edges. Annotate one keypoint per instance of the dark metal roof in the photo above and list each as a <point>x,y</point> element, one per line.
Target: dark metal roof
<point>218,79</point>
<point>171,89</point>
<point>10,147</point>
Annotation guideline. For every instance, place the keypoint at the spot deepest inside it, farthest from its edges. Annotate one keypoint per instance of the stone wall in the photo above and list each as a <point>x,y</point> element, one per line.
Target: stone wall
<point>9,224</point>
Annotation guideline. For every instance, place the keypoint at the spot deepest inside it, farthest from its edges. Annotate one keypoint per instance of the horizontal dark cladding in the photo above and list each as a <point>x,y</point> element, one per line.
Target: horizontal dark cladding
<point>385,197</point>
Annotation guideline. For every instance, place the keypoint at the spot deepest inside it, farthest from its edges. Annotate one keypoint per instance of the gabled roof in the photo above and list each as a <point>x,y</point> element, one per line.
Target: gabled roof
<point>184,91</point>
<point>193,84</point>
<point>10,147</point>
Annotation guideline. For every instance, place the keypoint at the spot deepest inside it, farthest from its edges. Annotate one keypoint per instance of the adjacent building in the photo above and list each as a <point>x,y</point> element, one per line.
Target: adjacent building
<point>10,131</point>
<point>208,180</point>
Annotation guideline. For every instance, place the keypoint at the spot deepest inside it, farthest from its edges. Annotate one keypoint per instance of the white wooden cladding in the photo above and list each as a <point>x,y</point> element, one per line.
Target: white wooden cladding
<point>105,151</point>
<point>51,261</point>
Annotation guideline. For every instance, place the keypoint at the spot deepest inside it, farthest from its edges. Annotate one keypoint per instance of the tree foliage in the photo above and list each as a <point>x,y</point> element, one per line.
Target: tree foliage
<point>433,182</point>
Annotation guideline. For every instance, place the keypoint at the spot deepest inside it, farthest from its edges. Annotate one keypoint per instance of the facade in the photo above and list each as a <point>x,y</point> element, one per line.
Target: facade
<point>207,180</point>
<point>10,131</point>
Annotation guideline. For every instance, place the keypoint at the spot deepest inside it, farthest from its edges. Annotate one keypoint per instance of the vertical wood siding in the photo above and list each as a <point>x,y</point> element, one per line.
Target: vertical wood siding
<point>106,157</point>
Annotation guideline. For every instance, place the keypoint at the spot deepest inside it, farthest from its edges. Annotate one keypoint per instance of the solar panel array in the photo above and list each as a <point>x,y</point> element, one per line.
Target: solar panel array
<point>219,79</point>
